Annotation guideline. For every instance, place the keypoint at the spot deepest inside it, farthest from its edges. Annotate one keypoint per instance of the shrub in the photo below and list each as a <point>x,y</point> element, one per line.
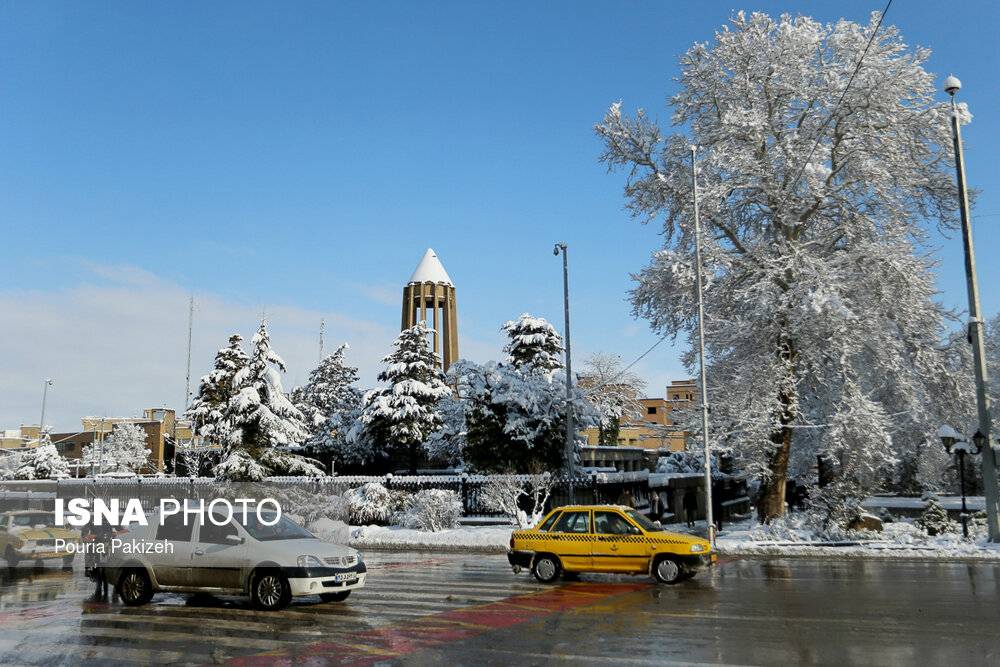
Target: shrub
<point>431,509</point>
<point>371,503</point>
<point>934,518</point>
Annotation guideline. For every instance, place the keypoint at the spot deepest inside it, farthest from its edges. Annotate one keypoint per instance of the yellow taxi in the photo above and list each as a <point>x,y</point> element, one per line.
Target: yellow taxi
<point>31,535</point>
<point>606,538</point>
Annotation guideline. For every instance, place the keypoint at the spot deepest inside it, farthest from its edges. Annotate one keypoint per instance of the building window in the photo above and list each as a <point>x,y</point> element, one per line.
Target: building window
<point>677,397</point>
<point>651,411</point>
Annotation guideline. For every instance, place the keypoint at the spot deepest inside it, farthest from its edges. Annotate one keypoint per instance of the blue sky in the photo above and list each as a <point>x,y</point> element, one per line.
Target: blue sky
<point>298,159</point>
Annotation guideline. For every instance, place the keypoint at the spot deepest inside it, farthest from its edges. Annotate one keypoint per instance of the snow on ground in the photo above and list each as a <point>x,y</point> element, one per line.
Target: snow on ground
<point>898,540</point>
<point>478,539</point>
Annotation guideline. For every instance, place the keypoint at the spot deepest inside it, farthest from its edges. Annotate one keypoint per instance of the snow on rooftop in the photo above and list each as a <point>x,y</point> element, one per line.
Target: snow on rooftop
<point>430,270</point>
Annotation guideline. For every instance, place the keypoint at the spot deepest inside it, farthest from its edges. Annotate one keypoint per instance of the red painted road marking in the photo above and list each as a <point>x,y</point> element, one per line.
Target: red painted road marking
<point>395,641</point>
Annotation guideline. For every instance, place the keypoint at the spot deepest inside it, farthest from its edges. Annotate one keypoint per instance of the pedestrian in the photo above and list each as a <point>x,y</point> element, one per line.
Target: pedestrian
<point>690,506</point>
<point>102,536</point>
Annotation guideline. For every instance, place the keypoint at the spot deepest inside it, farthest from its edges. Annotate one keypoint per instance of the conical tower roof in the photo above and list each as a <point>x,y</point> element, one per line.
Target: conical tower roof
<point>430,270</point>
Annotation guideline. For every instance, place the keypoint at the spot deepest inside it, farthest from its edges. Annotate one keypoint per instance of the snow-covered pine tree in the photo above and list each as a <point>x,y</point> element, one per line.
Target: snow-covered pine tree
<point>329,392</point>
<point>515,412</point>
<point>43,462</point>
<point>535,342</point>
<point>208,409</point>
<point>400,417</point>
<point>613,391</point>
<point>813,217</point>
<point>260,419</point>
<point>124,450</point>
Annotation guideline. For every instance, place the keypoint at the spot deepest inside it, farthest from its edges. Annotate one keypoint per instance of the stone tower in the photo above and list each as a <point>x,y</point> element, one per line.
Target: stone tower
<point>429,296</point>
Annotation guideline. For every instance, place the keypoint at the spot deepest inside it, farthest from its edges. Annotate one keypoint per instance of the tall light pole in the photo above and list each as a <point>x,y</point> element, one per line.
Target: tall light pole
<point>570,450</point>
<point>709,519</point>
<point>45,394</point>
<point>991,491</point>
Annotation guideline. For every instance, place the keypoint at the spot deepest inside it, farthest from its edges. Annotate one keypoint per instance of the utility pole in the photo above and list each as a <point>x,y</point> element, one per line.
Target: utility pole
<point>322,327</point>
<point>709,519</point>
<point>570,430</point>
<point>45,394</point>
<point>187,380</point>
<point>991,490</point>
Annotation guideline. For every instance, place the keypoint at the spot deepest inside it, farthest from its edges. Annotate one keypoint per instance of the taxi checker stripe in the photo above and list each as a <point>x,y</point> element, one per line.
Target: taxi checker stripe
<point>569,537</point>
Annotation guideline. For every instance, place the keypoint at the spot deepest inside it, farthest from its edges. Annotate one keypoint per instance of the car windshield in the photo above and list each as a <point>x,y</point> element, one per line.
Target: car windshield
<point>643,522</point>
<point>285,529</point>
<point>40,519</point>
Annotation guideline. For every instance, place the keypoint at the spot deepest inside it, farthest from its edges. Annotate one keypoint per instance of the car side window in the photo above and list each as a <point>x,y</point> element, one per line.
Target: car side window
<point>212,534</point>
<point>172,528</point>
<point>548,523</point>
<point>573,522</point>
<point>613,523</point>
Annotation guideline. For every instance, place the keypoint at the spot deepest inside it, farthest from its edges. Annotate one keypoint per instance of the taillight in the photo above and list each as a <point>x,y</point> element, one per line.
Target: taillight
<point>512,541</point>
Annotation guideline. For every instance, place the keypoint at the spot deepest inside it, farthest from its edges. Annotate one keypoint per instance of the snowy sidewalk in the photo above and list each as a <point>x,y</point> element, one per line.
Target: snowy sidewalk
<point>466,539</point>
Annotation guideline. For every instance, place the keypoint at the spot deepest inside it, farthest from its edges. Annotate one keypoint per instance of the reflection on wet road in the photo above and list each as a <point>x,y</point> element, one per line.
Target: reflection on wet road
<point>471,610</point>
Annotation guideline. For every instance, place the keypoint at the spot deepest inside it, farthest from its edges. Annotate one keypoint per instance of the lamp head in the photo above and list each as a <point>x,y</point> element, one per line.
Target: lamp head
<point>949,437</point>
<point>952,85</point>
<point>978,442</point>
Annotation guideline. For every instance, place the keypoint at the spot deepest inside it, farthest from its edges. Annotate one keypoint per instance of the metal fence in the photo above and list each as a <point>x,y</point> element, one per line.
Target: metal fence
<point>622,488</point>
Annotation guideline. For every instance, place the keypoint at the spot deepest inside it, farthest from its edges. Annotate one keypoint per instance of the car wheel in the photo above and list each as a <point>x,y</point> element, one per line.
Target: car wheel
<point>270,590</point>
<point>134,587</point>
<point>668,571</point>
<point>334,597</point>
<point>11,556</point>
<point>546,569</point>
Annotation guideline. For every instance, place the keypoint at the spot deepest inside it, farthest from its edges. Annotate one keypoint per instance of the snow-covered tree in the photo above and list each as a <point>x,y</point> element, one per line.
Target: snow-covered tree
<point>535,342</point>
<point>515,418</point>
<point>208,409</point>
<point>506,494</point>
<point>124,450</point>
<point>445,445</point>
<point>614,392</point>
<point>858,439</point>
<point>329,391</point>
<point>10,462</point>
<point>400,417</point>
<point>260,419</point>
<point>812,214</point>
<point>42,462</point>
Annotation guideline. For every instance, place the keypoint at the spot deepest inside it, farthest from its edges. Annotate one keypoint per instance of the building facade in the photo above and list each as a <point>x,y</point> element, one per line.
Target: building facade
<point>656,429</point>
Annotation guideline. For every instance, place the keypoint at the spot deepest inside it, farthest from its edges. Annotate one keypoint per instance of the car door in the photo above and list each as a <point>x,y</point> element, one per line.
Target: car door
<point>571,539</point>
<point>218,556</point>
<point>619,545</point>
<point>173,566</point>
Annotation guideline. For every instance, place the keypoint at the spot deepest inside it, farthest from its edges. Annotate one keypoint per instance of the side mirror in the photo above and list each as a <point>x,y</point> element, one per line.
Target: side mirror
<point>234,539</point>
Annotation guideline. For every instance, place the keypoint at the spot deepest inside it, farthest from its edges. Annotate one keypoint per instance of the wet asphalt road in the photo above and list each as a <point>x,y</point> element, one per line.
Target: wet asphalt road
<point>432,609</point>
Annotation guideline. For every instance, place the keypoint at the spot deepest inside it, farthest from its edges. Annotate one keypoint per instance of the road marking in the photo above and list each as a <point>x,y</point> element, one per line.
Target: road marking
<point>393,641</point>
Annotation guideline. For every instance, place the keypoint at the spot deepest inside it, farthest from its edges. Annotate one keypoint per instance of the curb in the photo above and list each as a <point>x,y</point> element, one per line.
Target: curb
<point>429,548</point>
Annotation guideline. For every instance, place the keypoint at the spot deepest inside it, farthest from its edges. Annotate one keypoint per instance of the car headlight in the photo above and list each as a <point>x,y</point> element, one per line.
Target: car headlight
<point>310,561</point>
<point>697,548</point>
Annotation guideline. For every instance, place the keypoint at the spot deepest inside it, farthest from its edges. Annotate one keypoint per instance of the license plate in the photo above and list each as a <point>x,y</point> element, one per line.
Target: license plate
<point>345,577</point>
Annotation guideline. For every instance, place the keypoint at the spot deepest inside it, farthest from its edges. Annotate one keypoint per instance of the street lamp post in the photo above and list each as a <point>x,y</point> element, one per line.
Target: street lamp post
<point>952,441</point>
<point>45,394</point>
<point>709,518</point>
<point>570,450</point>
<point>991,491</point>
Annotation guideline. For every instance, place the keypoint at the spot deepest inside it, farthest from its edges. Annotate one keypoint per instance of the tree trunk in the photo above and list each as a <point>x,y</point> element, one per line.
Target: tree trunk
<point>772,500</point>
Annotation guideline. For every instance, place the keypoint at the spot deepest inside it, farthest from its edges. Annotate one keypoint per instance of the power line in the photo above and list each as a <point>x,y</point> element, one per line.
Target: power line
<point>857,68</point>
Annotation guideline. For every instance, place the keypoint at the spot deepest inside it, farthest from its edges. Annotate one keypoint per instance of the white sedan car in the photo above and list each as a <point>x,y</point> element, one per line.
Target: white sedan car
<point>271,564</point>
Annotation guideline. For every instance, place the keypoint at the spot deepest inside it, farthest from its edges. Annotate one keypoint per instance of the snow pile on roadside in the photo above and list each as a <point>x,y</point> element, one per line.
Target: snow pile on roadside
<point>900,539</point>
<point>484,539</point>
